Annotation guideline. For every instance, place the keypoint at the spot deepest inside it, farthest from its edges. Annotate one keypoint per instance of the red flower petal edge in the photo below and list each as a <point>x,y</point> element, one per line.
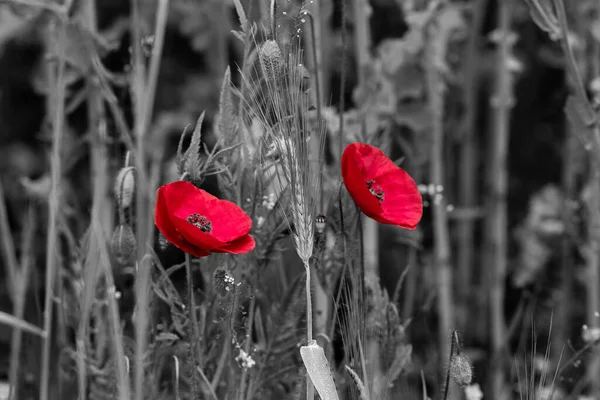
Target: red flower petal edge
<point>382,190</point>
<point>199,223</point>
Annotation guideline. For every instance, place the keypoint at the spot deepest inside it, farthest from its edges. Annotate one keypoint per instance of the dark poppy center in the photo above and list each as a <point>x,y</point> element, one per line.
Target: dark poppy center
<point>376,190</point>
<point>200,221</point>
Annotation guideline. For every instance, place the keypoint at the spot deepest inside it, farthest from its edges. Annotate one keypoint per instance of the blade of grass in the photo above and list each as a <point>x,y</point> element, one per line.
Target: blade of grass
<point>16,323</point>
<point>57,112</point>
<point>20,297</point>
<point>497,218</point>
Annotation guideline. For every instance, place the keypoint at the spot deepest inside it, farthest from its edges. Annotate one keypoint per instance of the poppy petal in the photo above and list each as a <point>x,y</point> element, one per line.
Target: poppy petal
<point>240,246</point>
<point>400,202</point>
<point>195,235</point>
<point>166,227</point>
<point>355,179</point>
<point>403,203</point>
<point>228,220</point>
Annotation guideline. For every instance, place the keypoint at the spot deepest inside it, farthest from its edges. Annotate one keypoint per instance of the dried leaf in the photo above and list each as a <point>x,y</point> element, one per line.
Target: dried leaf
<point>318,369</point>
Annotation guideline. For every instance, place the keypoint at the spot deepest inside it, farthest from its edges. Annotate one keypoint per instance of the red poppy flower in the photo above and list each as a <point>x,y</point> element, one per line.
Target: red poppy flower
<point>199,223</point>
<point>382,190</point>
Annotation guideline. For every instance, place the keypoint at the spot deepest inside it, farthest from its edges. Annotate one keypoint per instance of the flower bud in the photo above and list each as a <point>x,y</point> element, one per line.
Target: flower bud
<point>123,245</point>
<point>125,187</point>
<point>461,370</point>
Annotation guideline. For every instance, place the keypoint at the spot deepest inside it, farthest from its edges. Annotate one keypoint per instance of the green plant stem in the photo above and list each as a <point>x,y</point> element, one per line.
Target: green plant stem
<point>192,327</point>
<point>247,343</point>
<point>19,299</point>
<point>435,55</point>
<point>310,389</point>
<point>53,206</point>
<point>451,353</point>
<point>468,182</point>
<point>342,82</point>
<point>497,217</point>
<point>8,247</point>
<point>316,140</point>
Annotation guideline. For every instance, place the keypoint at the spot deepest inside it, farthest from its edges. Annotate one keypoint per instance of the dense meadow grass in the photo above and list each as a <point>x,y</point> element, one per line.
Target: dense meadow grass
<point>262,199</point>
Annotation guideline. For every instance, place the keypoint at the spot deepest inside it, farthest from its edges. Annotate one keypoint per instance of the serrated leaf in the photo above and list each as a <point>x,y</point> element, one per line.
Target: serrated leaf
<point>401,361</point>
<point>225,119</point>
<point>196,143</point>
<point>180,155</point>
<point>241,15</point>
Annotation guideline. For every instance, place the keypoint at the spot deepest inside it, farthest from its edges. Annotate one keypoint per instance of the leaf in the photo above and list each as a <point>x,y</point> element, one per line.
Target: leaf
<point>241,15</point>
<point>542,13</point>
<point>239,35</point>
<point>225,119</point>
<point>581,117</point>
<point>196,143</point>
<point>318,369</point>
<point>359,384</point>
<point>402,359</point>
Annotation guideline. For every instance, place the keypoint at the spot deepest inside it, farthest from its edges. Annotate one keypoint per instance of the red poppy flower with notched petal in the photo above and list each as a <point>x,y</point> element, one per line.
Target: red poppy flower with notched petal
<point>199,223</point>
<point>382,190</point>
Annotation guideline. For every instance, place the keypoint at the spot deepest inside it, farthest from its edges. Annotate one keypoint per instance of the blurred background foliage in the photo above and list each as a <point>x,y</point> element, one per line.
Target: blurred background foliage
<point>547,171</point>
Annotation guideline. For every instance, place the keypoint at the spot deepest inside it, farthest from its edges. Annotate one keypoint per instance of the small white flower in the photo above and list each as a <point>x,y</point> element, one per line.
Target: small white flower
<point>245,360</point>
<point>260,221</point>
<point>473,392</point>
<point>590,335</point>
<point>269,201</point>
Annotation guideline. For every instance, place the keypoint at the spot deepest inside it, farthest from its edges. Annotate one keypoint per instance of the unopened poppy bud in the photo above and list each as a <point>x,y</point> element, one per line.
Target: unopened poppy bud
<point>123,245</point>
<point>461,370</point>
<point>320,222</point>
<point>271,60</point>
<point>125,186</point>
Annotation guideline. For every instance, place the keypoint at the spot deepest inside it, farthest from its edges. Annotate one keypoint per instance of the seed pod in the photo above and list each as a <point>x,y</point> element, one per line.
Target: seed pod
<point>271,60</point>
<point>123,245</point>
<point>461,370</point>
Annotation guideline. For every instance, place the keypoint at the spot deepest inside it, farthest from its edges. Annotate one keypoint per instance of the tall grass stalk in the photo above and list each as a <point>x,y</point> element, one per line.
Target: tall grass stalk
<point>436,52</point>
<point>497,232</point>
<point>57,77</point>
<point>9,254</point>
<point>192,330</point>
<point>282,107</point>
<point>468,186</point>
<point>21,285</point>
